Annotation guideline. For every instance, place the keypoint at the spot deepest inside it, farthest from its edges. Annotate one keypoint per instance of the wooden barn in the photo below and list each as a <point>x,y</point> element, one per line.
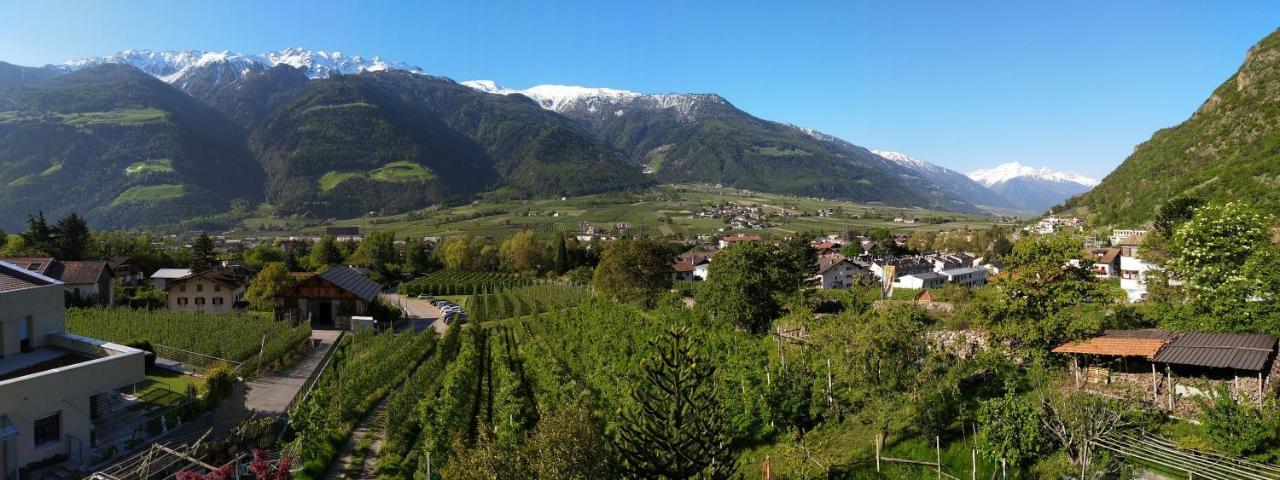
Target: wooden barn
<point>328,299</point>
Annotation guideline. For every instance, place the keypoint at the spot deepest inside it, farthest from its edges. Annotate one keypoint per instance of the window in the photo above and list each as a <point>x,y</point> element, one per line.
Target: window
<point>199,287</point>
<point>217,288</point>
<point>48,429</point>
<point>182,300</point>
<point>199,300</point>
<point>182,288</point>
<point>217,300</point>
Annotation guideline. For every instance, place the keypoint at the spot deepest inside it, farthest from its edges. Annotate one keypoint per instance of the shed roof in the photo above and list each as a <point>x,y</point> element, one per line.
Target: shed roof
<point>1115,346</point>
<point>83,271</point>
<point>1219,350</point>
<point>353,281</point>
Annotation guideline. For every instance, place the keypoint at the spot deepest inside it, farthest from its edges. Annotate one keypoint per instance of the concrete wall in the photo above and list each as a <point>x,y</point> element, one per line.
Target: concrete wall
<point>44,305</point>
<point>66,391</point>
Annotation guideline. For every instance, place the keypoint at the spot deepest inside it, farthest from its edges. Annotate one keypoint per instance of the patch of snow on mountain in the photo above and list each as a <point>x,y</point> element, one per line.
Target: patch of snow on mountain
<point>1009,171</point>
<point>566,98</point>
<point>173,66</point>
<point>907,161</point>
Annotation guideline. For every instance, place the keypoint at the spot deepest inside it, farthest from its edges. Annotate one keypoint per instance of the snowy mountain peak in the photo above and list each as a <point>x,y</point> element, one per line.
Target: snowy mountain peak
<point>908,161</point>
<point>1009,171</point>
<point>564,98</point>
<point>174,65</point>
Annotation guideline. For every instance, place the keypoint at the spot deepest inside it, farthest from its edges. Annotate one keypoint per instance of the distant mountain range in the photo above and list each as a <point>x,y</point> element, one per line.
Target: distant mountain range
<point>144,137</point>
<point>1030,188</point>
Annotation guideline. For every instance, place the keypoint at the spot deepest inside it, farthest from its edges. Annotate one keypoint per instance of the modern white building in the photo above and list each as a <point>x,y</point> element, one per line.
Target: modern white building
<point>52,383</point>
<point>967,276</point>
<point>163,276</point>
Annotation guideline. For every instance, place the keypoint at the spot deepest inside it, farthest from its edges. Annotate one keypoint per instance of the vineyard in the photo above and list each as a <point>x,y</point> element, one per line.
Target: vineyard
<point>522,301</point>
<point>462,283</point>
<point>364,369</point>
<point>234,337</point>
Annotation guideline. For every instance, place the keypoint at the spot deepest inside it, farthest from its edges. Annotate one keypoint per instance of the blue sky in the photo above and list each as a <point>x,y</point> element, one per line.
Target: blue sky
<point>1069,85</point>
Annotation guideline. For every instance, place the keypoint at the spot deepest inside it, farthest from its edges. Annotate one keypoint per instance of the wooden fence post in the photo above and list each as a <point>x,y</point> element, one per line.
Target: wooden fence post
<point>973,459</point>
<point>879,445</point>
<point>937,445</point>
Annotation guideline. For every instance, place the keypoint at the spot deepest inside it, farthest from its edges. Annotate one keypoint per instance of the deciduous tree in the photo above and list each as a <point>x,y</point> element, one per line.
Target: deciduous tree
<point>269,282</point>
<point>633,270</point>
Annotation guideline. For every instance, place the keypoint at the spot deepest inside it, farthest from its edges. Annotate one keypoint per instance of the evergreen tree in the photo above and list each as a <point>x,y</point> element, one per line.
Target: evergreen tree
<point>204,254</point>
<point>559,254</point>
<point>675,431</point>
<point>39,235</point>
<point>71,237</point>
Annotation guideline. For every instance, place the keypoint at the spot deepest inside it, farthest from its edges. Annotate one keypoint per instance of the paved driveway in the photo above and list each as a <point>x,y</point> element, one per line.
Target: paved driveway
<point>272,393</point>
<point>420,310</point>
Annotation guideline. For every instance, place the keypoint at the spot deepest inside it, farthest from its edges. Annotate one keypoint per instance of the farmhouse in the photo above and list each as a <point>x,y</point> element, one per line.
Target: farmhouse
<point>218,289</point>
<point>126,270</point>
<point>87,280</point>
<point>328,299</point>
<point>691,266</point>
<point>1106,261</point>
<point>1171,368</point>
<point>53,385</point>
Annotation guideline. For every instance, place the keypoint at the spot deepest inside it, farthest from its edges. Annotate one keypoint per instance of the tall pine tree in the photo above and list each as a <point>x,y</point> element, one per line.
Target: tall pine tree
<point>675,431</point>
<point>204,254</point>
<point>71,237</point>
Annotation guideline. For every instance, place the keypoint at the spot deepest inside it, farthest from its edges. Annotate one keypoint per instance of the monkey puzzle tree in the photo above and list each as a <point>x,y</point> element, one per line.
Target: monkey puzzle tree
<point>675,430</point>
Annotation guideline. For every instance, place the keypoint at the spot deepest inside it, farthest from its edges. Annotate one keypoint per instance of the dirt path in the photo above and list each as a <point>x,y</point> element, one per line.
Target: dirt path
<point>272,393</point>
<point>353,451</point>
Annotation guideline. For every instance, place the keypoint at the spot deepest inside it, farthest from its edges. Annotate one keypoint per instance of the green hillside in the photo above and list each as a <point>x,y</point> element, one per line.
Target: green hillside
<point>120,147</point>
<point>1228,150</point>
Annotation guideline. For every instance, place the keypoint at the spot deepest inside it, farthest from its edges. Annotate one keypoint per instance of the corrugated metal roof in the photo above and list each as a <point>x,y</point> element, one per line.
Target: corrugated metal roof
<point>1219,350</point>
<point>351,280</point>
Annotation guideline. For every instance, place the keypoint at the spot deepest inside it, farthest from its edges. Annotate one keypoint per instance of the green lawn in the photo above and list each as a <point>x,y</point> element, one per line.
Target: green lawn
<point>165,386</point>
<point>150,193</point>
<point>333,178</point>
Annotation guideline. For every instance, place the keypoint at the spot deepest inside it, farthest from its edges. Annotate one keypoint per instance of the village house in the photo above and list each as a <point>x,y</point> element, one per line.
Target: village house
<point>215,290</point>
<point>1118,235</point>
<point>1133,271</point>
<point>161,278</point>
<point>736,239</point>
<point>126,271</point>
<point>691,266</point>
<point>836,271</point>
<point>53,384</point>
<point>328,299</point>
<point>85,280</point>
<point>1106,261</point>
<point>1170,369</point>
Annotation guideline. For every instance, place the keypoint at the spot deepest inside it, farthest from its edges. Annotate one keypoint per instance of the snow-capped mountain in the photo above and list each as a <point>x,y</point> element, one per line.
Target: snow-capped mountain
<point>1032,188</point>
<point>569,98</point>
<point>1009,171</point>
<point>178,67</point>
<point>949,179</point>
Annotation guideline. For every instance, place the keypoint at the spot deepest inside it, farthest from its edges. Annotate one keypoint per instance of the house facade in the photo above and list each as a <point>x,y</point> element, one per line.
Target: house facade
<point>328,299</point>
<point>691,266</point>
<point>921,280</point>
<point>52,383</point>
<point>161,278</point>
<point>837,271</point>
<point>213,290</point>
<point>967,276</point>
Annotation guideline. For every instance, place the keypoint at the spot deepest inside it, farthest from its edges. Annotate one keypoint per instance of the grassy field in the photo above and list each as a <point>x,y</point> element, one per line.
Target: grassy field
<point>668,210</point>
<point>150,193</point>
<point>162,165</point>
<point>402,171</point>
<point>125,116</point>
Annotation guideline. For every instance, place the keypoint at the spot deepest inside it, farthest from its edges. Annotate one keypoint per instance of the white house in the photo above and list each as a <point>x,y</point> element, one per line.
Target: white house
<point>691,266</point>
<point>1119,235</point>
<point>836,271</point>
<point>53,384</point>
<point>921,280</point>
<point>1133,270</point>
